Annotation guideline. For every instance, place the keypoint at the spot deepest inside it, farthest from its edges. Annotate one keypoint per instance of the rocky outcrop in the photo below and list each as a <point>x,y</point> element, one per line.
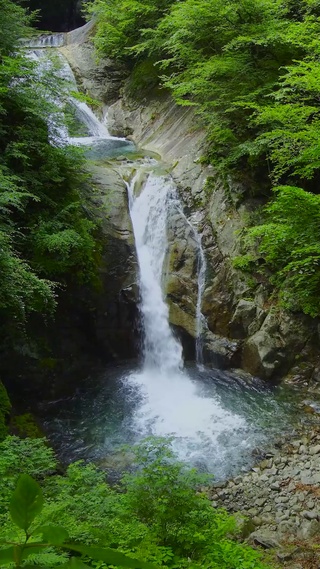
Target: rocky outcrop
<point>100,79</point>
<point>181,273</point>
<point>93,325</point>
<point>244,328</point>
<point>115,310</point>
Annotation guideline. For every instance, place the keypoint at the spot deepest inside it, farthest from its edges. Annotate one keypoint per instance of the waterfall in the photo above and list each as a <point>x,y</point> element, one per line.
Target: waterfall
<point>97,141</point>
<point>149,218</point>
<point>171,402</point>
<point>162,397</point>
<point>200,319</point>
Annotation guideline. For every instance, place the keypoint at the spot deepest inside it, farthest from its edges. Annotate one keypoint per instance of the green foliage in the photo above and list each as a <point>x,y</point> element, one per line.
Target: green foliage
<point>47,239</point>
<point>5,408</point>
<point>144,79</point>
<point>288,243</point>
<point>120,23</point>
<point>25,504</point>
<point>31,456</point>
<point>25,426</point>
<point>157,515</point>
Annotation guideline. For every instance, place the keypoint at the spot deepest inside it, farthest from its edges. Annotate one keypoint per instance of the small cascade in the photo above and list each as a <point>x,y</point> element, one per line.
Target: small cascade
<point>89,119</point>
<point>44,41</point>
<point>201,323</point>
<point>96,139</point>
<point>200,319</point>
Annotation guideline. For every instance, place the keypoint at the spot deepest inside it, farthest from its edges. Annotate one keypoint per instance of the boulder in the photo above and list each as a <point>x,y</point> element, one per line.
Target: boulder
<point>264,538</point>
<point>246,320</point>
<point>309,529</point>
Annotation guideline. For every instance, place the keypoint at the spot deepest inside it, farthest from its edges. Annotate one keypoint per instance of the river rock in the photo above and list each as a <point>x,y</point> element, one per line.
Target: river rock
<point>245,526</point>
<point>309,529</point>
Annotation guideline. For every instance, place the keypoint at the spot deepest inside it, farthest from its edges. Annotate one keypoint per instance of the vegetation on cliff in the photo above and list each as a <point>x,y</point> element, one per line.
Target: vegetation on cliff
<point>250,69</point>
<point>46,237</point>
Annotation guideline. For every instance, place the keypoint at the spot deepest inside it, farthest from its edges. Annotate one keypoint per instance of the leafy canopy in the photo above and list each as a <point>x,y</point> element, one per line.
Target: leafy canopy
<point>250,69</point>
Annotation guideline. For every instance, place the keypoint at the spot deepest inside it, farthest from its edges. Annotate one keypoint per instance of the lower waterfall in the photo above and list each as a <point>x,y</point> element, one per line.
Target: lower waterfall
<point>171,403</point>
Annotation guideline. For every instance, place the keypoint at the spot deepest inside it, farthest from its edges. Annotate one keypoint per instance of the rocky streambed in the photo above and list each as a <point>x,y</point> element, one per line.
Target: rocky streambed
<point>278,501</point>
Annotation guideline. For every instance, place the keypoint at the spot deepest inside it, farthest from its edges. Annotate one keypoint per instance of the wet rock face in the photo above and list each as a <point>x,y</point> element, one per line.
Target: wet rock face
<point>180,268</point>
<point>243,330</point>
<point>115,312</point>
<point>58,16</point>
<point>100,80</point>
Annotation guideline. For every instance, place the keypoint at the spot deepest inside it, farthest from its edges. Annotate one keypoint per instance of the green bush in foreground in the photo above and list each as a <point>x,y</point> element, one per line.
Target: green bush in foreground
<point>157,514</point>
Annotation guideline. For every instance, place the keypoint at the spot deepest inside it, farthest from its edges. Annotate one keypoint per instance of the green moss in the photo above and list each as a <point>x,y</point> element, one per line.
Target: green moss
<point>144,79</point>
<point>48,363</point>
<point>26,426</point>
<point>5,408</point>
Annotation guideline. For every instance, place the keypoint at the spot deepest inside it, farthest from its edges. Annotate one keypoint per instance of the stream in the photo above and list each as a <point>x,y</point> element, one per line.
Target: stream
<point>218,421</point>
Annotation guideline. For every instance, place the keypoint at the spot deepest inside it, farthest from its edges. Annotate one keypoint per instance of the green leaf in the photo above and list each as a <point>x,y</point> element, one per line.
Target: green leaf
<point>33,549</point>
<point>55,535</point>
<point>110,556</point>
<point>74,563</point>
<point>7,555</point>
<point>26,502</point>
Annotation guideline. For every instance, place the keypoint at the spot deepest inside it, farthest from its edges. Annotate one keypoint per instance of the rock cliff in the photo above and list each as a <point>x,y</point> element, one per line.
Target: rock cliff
<point>245,328</point>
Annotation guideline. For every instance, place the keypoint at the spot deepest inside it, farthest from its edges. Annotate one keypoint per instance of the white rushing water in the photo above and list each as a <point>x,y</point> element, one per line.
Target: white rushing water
<point>149,218</point>
<point>171,403</point>
<point>96,138</point>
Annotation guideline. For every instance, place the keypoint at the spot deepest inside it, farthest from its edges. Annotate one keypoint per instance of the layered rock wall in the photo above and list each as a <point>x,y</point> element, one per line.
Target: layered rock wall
<point>245,329</point>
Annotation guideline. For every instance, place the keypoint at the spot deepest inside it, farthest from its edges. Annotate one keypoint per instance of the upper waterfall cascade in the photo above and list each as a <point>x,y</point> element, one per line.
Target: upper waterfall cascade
<point>96,139</point>
<point>45,41</point>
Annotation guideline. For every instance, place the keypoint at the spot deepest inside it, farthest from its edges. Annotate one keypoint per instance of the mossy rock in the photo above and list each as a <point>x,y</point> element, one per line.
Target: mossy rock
<point>26,426</point>
<point>5,404</point>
